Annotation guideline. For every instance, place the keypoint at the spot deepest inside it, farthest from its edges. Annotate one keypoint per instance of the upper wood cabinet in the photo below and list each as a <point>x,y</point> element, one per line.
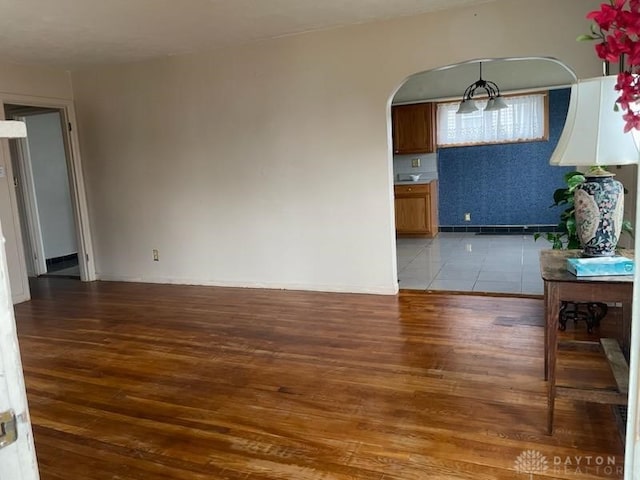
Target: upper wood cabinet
<point>414,128</point>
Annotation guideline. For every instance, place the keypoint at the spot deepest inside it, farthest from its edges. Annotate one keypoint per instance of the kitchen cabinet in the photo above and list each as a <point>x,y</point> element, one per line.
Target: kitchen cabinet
<point>414,128</point>
<point>416,208</point>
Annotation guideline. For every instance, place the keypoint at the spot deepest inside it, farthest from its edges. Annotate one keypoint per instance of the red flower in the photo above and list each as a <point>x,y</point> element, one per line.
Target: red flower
<point>630,22</point>
<point>627,98</point>
<point>629,88</point>
<point>633,55</point>
<point>632,120</point>
<point>618,43</point>
<point>606,15</point>
<point>619,25</point>
<point>603,52</point>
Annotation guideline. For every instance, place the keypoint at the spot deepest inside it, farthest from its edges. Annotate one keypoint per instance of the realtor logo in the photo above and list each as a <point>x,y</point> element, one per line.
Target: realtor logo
<point>531,461</point>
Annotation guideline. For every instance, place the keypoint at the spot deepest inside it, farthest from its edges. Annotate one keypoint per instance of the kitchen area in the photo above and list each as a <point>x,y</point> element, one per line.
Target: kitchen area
<point>455,256</point>
<point>465,214</point>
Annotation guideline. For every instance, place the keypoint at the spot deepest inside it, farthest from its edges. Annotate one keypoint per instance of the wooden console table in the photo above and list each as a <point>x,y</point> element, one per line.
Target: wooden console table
<point>559,286</point>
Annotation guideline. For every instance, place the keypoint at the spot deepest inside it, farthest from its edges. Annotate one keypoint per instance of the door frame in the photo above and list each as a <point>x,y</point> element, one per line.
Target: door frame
<point>76,183</point>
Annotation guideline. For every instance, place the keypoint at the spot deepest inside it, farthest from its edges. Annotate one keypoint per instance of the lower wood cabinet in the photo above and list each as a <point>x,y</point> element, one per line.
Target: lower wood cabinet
<point>416,209</point>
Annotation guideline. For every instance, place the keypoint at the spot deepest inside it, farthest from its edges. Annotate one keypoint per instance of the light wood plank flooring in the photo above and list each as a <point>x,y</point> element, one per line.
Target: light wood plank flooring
<point>140,381</point>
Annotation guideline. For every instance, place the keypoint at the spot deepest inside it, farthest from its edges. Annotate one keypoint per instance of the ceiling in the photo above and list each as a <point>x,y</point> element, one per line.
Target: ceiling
<point>513,74</point>
<point>73,33</point>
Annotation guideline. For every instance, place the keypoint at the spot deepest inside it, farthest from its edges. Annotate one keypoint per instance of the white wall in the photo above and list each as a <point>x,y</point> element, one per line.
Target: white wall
<point>270,164</point>
<point>33,82</point>
<point>51,178</point>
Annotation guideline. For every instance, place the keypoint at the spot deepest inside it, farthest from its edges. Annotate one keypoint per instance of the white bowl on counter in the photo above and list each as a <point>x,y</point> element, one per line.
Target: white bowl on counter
<point>415,178</point>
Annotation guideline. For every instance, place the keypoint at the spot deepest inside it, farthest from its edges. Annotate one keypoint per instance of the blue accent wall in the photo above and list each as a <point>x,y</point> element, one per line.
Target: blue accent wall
<point>507,184</point>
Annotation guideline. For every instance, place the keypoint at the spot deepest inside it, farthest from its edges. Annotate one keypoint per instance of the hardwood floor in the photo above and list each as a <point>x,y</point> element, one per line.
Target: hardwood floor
<point>140,381</point>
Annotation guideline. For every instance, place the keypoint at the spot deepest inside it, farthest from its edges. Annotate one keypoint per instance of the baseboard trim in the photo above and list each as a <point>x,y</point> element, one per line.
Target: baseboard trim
<point>499,229</point>
<point>376,290</point>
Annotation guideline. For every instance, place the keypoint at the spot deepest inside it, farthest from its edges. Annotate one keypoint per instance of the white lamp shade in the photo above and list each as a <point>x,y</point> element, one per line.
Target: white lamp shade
<point>497,103</point>
<point>467,106</point>
<point>12,129</point>
<point>594,132</point>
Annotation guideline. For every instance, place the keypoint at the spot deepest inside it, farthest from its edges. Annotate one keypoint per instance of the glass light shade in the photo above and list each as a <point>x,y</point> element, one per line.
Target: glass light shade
<point>496,103</point>
<point>467,106</point>
<point>594,132</point>
<point>12,129</point>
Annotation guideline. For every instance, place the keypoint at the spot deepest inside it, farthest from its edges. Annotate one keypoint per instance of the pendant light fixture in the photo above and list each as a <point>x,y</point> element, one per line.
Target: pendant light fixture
<point>495,102</point>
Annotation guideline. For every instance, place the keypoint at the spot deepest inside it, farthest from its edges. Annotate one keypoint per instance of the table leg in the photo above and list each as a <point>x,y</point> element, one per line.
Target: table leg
<point>546,335</point>
<point>552,310</point>
<point>626,328</point>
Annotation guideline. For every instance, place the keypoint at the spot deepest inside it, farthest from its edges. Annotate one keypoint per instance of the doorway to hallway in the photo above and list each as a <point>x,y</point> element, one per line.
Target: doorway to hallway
<point>42,180</point>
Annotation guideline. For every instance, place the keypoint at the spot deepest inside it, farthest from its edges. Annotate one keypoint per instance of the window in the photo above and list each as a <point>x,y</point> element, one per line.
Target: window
<point>525,120</point>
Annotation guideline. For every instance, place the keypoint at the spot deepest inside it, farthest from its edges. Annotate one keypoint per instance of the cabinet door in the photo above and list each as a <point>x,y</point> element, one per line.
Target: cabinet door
<point>414,128</point>
<point>416,208</point>
<point>412,214</point>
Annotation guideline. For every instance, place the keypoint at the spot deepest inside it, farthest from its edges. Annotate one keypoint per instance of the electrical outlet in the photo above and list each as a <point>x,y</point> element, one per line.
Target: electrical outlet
<point>156,255</point>
<point>467,217</point>
<point>415,162</point>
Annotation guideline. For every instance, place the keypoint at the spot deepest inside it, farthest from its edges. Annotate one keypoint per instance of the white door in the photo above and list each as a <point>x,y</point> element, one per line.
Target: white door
<point>28,207</point>
<point>17,458</point>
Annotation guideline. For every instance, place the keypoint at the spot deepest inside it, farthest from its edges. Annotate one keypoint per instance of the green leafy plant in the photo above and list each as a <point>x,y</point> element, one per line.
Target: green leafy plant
<point>566,236</point>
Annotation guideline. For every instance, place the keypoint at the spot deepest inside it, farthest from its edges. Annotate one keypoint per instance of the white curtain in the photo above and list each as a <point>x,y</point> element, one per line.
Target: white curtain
<point>522,121</point>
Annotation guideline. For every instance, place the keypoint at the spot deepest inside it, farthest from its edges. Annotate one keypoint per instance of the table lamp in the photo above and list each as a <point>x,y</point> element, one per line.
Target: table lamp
<point>594,137</point>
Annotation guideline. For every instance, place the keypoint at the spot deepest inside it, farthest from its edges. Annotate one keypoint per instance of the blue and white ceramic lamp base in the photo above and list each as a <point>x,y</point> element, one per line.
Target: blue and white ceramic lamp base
<point>599,209</point>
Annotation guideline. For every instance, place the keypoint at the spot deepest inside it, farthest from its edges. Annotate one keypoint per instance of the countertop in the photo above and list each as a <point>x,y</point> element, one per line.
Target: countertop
<point>425,178</point>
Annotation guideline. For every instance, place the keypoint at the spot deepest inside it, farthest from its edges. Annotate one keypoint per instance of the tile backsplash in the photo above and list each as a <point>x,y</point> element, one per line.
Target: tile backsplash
<point>428,164</point>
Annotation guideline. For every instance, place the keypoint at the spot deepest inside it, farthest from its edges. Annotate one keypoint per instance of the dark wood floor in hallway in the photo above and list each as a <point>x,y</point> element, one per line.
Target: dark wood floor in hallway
<point>140,381</point>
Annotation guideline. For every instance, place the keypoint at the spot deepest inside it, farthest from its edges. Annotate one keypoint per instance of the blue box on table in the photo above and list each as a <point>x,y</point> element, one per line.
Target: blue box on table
<point>600,266</point>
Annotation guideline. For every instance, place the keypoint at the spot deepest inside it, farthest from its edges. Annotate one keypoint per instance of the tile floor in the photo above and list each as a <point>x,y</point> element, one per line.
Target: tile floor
<point>471,263</point>
<point>67,269</point>
<point>73,271</point>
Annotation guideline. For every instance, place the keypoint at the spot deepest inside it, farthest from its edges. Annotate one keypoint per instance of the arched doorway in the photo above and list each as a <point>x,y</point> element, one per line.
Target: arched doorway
<point>491,196</point>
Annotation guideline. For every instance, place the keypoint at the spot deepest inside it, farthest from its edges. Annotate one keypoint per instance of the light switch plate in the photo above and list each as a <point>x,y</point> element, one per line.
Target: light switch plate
<point>415,162</point>
<point>2,172</point>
